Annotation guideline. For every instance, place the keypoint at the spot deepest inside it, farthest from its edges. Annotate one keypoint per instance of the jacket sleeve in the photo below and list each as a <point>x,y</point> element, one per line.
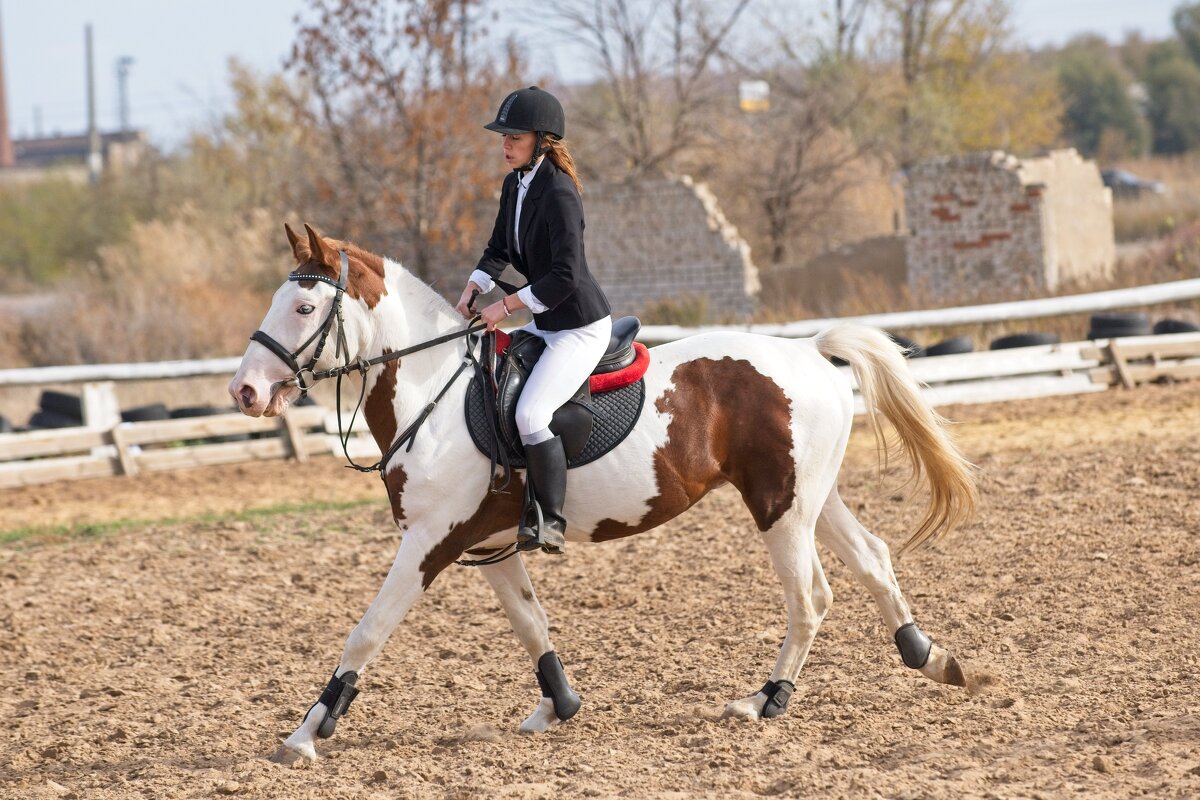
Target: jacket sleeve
<point>564,220</point>
<point>495,256</point>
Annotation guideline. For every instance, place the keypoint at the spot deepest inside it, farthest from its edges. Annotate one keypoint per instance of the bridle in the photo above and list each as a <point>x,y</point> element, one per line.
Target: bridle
<point>359,365</point>
<point>335,312</point>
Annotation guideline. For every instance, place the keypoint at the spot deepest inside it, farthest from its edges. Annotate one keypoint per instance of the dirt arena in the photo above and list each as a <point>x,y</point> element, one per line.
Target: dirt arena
<point>167,656</point>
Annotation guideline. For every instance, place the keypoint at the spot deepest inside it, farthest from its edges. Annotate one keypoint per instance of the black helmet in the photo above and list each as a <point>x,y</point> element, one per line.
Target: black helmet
<point>529,110</point>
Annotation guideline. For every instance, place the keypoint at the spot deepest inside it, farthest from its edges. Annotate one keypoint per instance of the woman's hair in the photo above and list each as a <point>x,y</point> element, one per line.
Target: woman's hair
<point>556,151</point>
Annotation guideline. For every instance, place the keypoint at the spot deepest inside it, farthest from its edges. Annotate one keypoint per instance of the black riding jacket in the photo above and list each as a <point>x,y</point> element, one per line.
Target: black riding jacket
<point>551,256</point>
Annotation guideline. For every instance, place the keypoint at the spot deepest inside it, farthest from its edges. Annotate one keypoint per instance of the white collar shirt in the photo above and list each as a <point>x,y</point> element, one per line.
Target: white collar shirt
<point>522,187</point>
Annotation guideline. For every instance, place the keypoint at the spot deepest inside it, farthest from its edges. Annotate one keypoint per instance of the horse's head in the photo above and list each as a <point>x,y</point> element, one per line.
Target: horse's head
<point>305,321</point>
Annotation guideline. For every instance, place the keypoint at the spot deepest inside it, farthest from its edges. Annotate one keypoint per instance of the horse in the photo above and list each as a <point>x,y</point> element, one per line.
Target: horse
<point>770,416</point>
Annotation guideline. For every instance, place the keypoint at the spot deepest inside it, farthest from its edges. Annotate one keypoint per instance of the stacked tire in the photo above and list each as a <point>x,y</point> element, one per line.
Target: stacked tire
<point>1023,340</point>
<point>1116,325</point>
<point>57,410</point>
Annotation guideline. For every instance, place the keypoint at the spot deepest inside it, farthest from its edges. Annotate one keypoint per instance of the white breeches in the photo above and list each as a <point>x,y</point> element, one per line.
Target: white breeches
<point>569,359</point>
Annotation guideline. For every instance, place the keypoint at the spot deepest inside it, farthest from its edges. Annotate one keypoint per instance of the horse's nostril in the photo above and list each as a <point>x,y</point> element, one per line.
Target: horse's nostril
<point>248,396</point>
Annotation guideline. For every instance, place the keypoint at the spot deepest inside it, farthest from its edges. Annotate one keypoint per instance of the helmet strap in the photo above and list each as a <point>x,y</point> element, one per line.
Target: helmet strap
<point>538,152</point>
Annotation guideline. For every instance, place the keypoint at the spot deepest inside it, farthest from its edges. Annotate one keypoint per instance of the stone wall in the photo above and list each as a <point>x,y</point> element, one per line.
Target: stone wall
<point>664,240</point>
<point>990,226</point>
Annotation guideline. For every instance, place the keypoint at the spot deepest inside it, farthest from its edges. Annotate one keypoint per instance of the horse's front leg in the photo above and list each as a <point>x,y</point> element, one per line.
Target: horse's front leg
<point>511,583</point>
<point>401,589</point>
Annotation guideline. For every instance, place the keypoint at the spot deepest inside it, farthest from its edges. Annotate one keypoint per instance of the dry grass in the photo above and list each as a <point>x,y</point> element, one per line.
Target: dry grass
<point>1154,216</point>
<point>189,287</point>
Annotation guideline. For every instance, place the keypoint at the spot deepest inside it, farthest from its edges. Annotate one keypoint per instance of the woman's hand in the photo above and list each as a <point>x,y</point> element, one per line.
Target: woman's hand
<point>468,297</point>
<point>494,314</point>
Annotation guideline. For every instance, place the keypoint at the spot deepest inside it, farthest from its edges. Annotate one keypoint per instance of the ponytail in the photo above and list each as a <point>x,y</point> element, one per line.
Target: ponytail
<point>556,151</point>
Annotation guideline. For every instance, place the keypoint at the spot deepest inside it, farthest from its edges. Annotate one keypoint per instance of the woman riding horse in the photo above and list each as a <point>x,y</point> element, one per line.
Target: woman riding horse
<point>539,230</point>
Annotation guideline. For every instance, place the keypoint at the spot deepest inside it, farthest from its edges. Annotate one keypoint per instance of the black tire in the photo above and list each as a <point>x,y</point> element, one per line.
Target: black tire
<point>953,346</point>
<point>911,348</point>
<point>61,403</point>
<point>49,419</point>
<point>1112,326</point>
<point>1175,326</point>
<point>150,413</point>
<point>198,411</point>
<point>5,425</point>
<point>1023,340</point>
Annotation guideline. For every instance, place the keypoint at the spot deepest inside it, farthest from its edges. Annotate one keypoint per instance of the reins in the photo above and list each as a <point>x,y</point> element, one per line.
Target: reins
<point>361,365</point>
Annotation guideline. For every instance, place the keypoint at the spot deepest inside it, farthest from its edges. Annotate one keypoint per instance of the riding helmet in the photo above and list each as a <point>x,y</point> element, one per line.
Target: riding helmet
<point>530,110</point>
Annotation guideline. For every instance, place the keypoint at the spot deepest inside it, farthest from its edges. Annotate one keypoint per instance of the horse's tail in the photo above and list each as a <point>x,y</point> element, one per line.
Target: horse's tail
<point>889,388</point>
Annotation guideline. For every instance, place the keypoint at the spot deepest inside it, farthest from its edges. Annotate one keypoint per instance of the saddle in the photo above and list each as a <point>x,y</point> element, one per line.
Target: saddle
<point>596,419</point>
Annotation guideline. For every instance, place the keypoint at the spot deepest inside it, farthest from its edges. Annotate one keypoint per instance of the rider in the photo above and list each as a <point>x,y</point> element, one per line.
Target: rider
<point>539,230</point>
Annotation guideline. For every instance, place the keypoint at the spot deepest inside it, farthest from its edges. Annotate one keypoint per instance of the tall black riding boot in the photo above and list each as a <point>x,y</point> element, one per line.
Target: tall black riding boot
<point>547,472</point>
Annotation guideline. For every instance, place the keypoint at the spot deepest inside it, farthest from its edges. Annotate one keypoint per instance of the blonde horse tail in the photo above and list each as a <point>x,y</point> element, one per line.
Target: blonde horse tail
<point>888,388</point>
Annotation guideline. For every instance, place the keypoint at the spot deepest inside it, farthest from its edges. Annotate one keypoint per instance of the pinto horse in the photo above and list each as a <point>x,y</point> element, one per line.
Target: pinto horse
<point>770,416</point>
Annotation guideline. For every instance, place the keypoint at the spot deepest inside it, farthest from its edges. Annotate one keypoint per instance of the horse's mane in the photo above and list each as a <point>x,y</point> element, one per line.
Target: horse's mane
<point>428,302</point>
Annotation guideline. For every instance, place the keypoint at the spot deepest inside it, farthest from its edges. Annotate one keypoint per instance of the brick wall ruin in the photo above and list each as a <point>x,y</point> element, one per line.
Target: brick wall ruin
<point>992,226</point>
<point>664,240</point>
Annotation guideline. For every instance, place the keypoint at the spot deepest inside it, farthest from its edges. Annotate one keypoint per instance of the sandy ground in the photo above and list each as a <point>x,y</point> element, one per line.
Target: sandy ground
<point>167,658</point>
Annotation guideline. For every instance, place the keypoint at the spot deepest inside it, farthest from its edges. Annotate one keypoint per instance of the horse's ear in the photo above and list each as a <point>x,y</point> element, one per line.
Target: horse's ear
<point>320,251</point>
<point>300,248</point>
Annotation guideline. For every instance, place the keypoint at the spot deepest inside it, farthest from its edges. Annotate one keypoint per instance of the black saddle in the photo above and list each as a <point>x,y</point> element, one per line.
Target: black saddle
<point>590,425</point>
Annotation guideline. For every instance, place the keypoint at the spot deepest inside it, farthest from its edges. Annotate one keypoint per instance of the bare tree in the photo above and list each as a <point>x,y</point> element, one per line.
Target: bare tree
<point>848,22</point>
<point>398,97</point>
<point>657,72</point>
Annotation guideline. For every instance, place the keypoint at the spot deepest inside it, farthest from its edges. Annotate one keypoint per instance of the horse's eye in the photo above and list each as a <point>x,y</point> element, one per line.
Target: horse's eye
<point>306,309</point>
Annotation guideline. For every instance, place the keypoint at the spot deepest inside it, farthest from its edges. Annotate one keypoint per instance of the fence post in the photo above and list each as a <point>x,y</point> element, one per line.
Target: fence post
<point>100,408</point>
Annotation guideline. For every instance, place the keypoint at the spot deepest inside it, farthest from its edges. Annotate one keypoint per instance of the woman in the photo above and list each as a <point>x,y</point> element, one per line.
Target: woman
<point>539,230</point>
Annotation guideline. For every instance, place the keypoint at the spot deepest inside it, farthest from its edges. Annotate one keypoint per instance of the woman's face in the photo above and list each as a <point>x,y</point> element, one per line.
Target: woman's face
<point>518,149</point>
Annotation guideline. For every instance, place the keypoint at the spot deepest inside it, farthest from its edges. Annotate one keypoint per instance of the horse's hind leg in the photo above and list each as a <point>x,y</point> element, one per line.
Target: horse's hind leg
<point>511,583</point>
<point>808,596</point>
<point>868,558</point>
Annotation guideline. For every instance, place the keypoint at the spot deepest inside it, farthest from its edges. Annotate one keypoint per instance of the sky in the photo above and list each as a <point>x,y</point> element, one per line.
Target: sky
<point>181,48</point>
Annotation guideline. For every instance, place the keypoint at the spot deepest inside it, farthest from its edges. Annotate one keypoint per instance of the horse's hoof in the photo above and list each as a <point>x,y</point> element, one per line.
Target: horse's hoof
<point>542,719</point>
<point>748,708</point>
<point>289,756</point>
<point>943,667</point>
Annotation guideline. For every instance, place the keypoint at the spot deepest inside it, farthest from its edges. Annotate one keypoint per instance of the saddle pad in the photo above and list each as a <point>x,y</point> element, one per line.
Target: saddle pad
<point>616,413</point>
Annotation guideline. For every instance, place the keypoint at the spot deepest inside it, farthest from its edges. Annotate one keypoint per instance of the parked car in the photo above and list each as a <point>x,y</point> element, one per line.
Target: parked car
<point>1126,185</point>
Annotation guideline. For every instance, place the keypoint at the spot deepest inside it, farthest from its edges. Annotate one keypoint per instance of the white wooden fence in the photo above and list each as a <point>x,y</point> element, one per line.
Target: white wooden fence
<point>106,446</point>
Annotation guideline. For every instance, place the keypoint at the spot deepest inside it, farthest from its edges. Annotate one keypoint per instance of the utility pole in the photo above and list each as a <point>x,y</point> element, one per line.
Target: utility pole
<point>95,161</point>
<point>7,158</point>
<point>123,65</point>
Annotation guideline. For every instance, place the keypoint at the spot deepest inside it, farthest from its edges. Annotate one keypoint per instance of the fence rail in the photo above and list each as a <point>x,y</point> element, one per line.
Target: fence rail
<point>133,447</point>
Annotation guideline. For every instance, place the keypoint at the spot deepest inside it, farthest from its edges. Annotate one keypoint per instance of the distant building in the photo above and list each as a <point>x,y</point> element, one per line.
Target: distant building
<point>120,150</point>
<point>992,226</point>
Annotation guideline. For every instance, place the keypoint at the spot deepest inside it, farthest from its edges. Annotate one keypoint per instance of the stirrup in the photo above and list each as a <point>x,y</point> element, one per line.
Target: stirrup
<point>537,536</point>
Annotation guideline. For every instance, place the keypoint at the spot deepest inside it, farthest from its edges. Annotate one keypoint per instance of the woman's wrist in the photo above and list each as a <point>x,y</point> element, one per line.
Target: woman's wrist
<point>504,305</point>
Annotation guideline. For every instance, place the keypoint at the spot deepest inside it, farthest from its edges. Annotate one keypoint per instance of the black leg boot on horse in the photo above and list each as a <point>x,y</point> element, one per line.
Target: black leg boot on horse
<point>542,524</point>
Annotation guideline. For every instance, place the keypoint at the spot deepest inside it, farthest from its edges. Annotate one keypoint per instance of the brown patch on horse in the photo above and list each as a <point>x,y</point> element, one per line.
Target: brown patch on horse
<point>394,481</point>
<point>496,513</point>
<point>380,408</point>
<point>729,424</point>
<point>320,256</point>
